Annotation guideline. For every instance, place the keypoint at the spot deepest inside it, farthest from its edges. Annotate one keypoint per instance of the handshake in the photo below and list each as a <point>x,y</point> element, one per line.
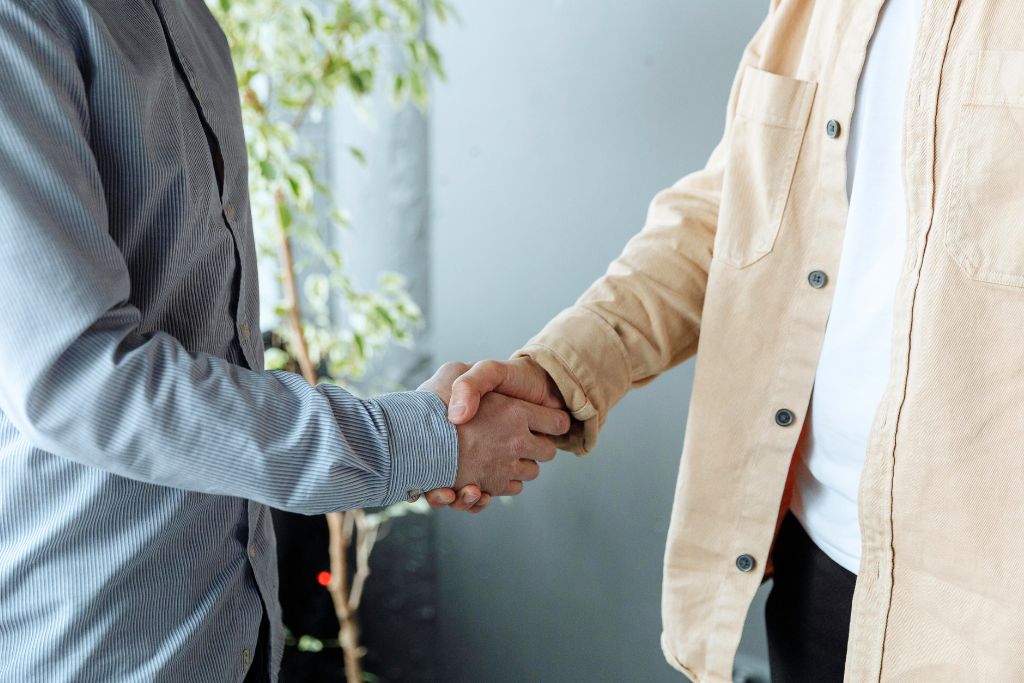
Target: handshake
<point>507,414</point>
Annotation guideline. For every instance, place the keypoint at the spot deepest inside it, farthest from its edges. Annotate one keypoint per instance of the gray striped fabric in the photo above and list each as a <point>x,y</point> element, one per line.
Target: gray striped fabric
<point>136,422</point>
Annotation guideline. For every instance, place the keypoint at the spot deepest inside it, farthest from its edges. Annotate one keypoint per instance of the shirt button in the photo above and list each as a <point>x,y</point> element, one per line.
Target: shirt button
<point>745,563</point>
<point>244,330</point>
<point>245,658</point>
<point>833,129</point>
<point>784,418</point>
<point>818,279</point>
<point>252,550</point>
<point>229,211</point>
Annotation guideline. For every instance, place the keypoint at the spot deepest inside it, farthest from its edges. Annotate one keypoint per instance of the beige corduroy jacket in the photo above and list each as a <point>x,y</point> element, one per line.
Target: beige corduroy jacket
<point>723,269</point>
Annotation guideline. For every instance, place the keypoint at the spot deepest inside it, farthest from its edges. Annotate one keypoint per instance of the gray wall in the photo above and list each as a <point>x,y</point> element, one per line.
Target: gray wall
<point>559,122</point>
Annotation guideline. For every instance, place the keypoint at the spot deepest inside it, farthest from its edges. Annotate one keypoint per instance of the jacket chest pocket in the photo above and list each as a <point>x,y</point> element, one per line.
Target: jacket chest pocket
<point>985,212</point>
<point>767,132</point>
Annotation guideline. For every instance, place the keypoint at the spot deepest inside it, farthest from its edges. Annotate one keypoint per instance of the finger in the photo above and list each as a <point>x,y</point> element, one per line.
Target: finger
<point>527,470</point>
<point>543,389</point>
<point>539,448</point>
<point>514,488</point>
<point>468,496</point>
<point>440,498</point>
<point>482,378</point>
<point>543,420</point>
<point>481,504</point>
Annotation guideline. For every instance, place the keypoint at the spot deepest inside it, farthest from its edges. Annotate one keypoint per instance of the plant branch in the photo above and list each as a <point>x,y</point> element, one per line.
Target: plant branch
<point>348,627</point>
<point>301,348</point>
<point>367,537</point>
<point>307,104</point>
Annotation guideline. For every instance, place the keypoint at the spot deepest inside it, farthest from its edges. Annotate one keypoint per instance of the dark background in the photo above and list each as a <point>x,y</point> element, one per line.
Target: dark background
<point>399,614</point>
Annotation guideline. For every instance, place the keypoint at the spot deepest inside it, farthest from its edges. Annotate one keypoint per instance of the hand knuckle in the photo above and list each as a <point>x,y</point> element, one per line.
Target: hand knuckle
<point>454,366</point>
<point>516,415</point>
<point>517,444</point>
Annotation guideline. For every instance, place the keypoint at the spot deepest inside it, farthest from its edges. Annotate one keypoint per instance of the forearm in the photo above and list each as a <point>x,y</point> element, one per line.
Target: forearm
<point>145,409</point>
<point>641,318</point>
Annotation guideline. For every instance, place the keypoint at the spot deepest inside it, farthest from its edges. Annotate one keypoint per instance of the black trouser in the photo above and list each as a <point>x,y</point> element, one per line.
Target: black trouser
<point>808,610</point>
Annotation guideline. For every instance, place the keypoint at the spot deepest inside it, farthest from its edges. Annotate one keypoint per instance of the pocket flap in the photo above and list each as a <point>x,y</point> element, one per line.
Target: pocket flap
<point>775,100</point>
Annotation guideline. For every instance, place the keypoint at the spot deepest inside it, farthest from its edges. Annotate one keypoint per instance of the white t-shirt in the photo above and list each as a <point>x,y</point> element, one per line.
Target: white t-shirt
<point>855,359</point>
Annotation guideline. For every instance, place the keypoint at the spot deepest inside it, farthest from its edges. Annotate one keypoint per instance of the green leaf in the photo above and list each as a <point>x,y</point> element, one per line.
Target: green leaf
<point>285,214</point>
<point>385,314</point>
<point>310,644</point>
<point>358,155</point>
<point>434,59</point>
<point>398,89</point>
<point>440,9</point>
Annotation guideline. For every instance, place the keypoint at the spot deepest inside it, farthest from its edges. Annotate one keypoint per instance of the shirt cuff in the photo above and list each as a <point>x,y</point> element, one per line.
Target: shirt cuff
<point>585,357</point>
<point>423,444</point>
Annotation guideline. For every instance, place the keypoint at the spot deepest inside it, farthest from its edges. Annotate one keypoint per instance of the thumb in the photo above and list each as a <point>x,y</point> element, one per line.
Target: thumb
<point>482,378</point>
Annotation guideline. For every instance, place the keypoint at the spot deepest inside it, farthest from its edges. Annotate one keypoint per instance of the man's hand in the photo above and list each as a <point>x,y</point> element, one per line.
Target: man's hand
<point>521,378</point>
<point>504,427</point>
<point>500,449</point>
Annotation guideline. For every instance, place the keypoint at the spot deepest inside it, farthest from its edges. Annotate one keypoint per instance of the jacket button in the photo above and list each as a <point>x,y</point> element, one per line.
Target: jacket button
<point>833,129</point>
<point>818,279</point>
<point>784,418</point>
<point>745,563</point>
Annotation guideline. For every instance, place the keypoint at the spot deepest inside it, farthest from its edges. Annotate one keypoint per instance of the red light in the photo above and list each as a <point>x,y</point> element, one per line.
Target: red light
<point>323,578</point>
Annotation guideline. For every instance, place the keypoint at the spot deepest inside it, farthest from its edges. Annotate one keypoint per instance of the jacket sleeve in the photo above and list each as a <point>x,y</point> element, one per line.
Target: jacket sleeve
<point>643,316</point>
<point>80,381</point>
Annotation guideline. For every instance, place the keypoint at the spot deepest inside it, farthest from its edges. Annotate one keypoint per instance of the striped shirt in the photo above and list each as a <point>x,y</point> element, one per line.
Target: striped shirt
<point>140,438</point>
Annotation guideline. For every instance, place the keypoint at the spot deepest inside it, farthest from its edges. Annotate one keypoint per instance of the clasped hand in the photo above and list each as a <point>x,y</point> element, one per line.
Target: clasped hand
<point>506,414</point>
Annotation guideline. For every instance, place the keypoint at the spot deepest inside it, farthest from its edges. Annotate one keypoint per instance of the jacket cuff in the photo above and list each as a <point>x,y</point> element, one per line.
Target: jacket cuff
<point>587,361</point>
<point>423,444</point>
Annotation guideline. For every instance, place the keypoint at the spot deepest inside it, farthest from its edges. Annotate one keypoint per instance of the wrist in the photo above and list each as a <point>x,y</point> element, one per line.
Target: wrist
<point>422,444</point>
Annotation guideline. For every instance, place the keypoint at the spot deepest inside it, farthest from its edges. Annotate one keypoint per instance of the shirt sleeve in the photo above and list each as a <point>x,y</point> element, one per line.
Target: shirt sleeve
<point>79,380</point>
<point>643,317</point>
